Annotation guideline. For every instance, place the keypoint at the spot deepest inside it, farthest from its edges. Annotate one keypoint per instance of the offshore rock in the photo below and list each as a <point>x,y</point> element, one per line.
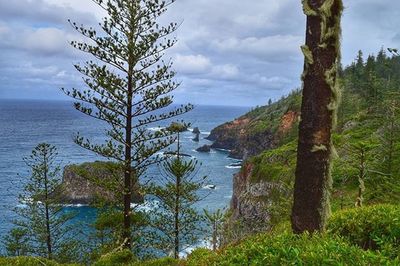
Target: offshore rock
<point>205,148</point>
<point>91,183</point>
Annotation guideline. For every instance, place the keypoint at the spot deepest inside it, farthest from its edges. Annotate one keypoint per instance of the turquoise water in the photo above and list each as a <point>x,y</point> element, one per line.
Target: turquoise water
<point>24,124</point>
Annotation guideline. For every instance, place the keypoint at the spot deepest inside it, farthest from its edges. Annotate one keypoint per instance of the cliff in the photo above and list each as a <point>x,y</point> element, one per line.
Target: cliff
<point>89,183</point>
<point>263,128</point>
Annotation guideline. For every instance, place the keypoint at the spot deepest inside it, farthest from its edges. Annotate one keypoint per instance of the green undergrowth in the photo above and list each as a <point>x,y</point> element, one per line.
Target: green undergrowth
<point>374,227</point>
<point>29,261</point>
<point>269,117</point>
<point>357,236</point>
<point>290,249</point>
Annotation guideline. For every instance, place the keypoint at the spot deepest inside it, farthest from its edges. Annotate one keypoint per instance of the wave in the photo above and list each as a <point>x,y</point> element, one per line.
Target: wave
<point>75,205</point>
<point>67,205</point>
<point>223,150</point>
<point>155,128</point>
<point>213,187</point>
<point>233,167</point>
<point>147,206</point>
<point>205,132</point>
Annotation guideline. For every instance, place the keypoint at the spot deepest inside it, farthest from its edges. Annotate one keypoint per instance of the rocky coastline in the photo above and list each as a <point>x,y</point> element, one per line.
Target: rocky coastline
<point>88,184</point>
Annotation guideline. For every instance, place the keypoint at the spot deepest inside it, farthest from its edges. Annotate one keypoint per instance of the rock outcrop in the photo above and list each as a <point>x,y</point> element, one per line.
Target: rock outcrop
<point>205,148</point>
<point>240,140</point>
<point>262,129</point>
<point>252,134</point>
<point>88,183</point>
<point>196,131</point>
<point>248,202</point>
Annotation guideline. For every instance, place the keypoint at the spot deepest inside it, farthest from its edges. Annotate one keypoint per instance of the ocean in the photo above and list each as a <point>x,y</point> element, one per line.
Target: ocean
<point>26,123</point>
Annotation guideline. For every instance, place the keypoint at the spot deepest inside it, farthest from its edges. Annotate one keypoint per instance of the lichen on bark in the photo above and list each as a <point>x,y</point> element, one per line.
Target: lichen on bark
<point>307,54</point>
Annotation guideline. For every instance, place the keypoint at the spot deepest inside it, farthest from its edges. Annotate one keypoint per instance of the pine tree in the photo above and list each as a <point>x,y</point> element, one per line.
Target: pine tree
<point>127,86</point>
<point>361,160</point>
<point>320,101</point>
<point>215,221</point>
<point>42,218</point>
<point>176,222</point>
<point>16,242</point>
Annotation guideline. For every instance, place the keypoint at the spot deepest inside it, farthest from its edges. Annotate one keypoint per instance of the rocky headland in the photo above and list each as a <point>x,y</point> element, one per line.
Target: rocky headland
<point>90,183</point>
<point>249,137</point>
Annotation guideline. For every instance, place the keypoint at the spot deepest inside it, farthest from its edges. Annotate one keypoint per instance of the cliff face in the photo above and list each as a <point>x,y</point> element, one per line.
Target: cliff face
<point>87,184</point>
<point>235,136</point>
<point>260,129</point>
<point>259,137</point>
<point>244,203</point>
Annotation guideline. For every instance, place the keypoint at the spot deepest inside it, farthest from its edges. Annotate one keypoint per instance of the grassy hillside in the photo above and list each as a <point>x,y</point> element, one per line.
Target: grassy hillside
<point>367,140</point>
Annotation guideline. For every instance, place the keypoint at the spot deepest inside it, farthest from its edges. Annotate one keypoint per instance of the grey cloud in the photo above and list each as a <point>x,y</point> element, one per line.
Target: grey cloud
<point>242,51</point>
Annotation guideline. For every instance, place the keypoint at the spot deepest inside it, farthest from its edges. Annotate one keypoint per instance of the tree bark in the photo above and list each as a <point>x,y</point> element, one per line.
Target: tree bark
<point>128,165</point>
<point>318,112</point>
<point>177,209</point>
<point>46,203</point>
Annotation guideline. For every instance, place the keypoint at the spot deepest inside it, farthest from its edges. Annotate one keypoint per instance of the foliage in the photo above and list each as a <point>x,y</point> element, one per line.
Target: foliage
<point>27,261</point>
<point>106,232</point>
<point>289,249</point>
<point>374,227</point>
<point>16,242</point>
<point>128,87</point>
<point>122,257</point>
<point>42,223</point>
<point>215,221</point>
<point>368,116</point>
<point>176,224</point>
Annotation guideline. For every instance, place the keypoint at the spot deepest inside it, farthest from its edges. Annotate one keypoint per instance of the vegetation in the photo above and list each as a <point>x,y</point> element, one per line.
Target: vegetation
<point>125,87</point>
<point>42,227</point>
<point>128,88</point>
<point>176,223</point>
<point>321,95</point>
<point>375,227</point>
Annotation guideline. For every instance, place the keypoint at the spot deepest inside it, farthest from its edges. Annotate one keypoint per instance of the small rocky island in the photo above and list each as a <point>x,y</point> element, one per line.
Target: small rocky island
<point>87,184</point>
<point>205,148</point>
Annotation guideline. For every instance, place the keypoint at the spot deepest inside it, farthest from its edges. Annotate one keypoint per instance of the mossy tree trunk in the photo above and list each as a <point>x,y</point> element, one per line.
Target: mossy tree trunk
<point>318,115</point>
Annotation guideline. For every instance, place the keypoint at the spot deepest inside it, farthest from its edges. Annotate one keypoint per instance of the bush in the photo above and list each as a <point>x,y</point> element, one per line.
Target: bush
<point>375,227</point>
<point>28,261</point>
<point>290,249</point>
<point>124,257</point>
<point>200,256</point>
<point>158,262</point>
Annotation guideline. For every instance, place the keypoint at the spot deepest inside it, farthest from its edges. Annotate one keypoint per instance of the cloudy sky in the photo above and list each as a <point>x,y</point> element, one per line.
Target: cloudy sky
<point>230,52</point>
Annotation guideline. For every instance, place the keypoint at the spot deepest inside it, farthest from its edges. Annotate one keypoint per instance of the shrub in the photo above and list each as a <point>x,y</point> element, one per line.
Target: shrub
<point>289,249</point>
<point>200,256</point>
<point>29,261</point>
<point>124,257</point>
<point>158,262</point>
<point>374,227</point>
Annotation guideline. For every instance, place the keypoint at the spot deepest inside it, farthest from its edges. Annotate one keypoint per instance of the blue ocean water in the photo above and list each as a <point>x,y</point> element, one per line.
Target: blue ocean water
<point>24,124</point>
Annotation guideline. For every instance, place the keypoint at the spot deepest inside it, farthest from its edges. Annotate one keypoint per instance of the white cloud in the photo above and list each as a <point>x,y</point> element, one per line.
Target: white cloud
<point>192,64</point>
<point>225,71</point>
<point>245,52</point>
<point>269,48</point>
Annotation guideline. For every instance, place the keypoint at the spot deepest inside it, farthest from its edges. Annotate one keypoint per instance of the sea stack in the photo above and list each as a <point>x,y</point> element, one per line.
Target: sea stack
<point>87,184</point>
<point>205,148</point>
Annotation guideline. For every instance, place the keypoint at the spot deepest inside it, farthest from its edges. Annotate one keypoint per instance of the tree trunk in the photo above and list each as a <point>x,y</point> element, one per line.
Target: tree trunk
<point>128,166</point>
<point>46,203</point>
<point>318,112</point>
<point>214,236</point>
<point>177,209</point>
<point>361,177</point>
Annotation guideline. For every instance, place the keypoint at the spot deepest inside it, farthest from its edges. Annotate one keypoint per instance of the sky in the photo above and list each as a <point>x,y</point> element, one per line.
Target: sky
<point>229,52</point>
